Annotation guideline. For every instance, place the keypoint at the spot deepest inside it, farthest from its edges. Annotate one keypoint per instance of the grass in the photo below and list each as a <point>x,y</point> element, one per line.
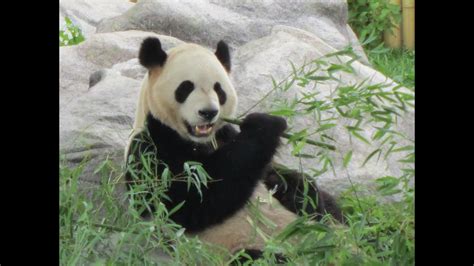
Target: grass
<point>378,234</point>
<point>99,228</point>
<point>398,64</point>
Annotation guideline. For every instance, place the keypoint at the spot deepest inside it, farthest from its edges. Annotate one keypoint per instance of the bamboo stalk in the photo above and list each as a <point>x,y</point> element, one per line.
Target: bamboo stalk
<point>408,23</point>
<point>393,37</point>
<point>105,226</point>
<point>288,136</point>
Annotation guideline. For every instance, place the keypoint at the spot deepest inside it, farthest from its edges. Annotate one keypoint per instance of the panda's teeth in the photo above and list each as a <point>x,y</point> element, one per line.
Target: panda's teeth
<point>203,129</point>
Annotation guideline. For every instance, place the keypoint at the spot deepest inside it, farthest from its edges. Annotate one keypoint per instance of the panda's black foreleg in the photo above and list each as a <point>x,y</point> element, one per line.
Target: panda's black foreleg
<point>291,193</point>
<point>291,188</point>
<point>236,168</point>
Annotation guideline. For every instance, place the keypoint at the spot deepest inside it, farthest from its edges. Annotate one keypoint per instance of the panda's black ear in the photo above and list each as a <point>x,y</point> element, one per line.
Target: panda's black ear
<point>151,54</point>
<point>222,53</point>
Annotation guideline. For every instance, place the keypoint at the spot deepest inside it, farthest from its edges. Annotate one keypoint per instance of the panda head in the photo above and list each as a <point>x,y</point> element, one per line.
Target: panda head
<point>188,88</point>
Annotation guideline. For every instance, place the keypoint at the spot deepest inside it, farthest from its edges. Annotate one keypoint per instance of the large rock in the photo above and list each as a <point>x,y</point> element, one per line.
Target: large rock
<point>100,51</point>
<point>95,121</point>
<point>257,60</point>
<point>237,22</point>
<point>88,13</point>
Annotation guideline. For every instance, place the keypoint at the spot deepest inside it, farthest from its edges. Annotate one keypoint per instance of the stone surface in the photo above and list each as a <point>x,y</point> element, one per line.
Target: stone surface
<point>88,13</point>
<point>236,22</point>
<point>256,61</point>
<point>101,51</point>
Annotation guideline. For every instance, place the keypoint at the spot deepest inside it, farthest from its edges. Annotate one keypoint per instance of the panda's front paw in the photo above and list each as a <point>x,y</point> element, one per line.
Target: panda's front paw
<point>263,125</point>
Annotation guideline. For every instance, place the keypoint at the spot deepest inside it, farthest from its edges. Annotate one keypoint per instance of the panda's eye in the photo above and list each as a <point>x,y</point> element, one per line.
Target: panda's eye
<point>220,93</point>
<point>183,91</point>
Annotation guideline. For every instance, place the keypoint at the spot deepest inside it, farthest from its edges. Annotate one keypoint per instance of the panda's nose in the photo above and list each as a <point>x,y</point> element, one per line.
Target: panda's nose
<point>208,113</point>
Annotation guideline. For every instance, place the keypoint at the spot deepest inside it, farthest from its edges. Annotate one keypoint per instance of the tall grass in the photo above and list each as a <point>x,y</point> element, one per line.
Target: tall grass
<point>398,64</point>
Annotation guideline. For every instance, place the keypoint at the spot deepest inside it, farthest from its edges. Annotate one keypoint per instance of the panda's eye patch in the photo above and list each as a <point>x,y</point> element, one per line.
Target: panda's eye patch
<point>183,91</point>
<point>220,93</point>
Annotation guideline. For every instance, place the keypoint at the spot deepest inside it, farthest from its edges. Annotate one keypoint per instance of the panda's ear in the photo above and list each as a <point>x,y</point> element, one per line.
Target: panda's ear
<point>222,53</point>
<point>151,54</point>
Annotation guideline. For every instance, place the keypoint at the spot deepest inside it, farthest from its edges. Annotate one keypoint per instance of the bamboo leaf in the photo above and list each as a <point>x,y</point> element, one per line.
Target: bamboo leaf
<point>176,208</point>
<point>297,148</point>
<point>360,137</point>
<point>404,148</point>
<point>325,127</point>
<point>410,158</point>
<point>370,156</point>
<point>319,78</point>
<point>304,155</point>
<point>284,112</point>
<point>347,158</point>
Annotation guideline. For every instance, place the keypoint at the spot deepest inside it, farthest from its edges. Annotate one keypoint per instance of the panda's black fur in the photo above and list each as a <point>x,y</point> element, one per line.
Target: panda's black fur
<point>222,53</point>
<point>290,193</point>
<point>151,54</point>
<point>183,91</point>
<point>241,160</point>
<point>290,187</point>
<point>238,163</point>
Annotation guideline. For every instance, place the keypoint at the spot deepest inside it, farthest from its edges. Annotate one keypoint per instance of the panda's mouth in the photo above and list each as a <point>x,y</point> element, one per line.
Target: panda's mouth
<point>203,130</point>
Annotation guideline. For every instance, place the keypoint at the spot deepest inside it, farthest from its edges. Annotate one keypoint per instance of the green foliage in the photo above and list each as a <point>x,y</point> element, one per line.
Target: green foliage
<point>376,105</point>
<point>372,237</point>
<point>383,232</point>
<point>97,227</point>
<point>372,18</point>
<point>369,19</point>
<point>71,34</point>
<point>398,64</point>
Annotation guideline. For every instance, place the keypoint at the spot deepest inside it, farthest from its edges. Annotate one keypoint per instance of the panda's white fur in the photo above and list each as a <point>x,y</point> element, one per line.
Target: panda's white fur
<point>157,92</point>
<point>191,61</point>
<point>239,231</point>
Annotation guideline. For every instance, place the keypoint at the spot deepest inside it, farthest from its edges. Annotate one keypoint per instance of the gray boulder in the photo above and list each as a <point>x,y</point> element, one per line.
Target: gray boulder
<point>257,60</point>
<point>88,13</point>
<point>100,51</point>
<point>237,22</point>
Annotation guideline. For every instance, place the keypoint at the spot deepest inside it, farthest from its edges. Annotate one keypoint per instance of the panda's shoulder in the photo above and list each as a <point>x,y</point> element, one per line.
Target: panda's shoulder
<point>226,133</point>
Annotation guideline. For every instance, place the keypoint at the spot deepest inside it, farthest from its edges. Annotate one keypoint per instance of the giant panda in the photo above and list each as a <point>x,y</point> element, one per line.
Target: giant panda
<point>184,95</point>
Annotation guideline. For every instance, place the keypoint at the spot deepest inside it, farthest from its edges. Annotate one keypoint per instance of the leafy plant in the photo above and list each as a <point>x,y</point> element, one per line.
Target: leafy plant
<point>71,34</point>
<point>398,64</point>
<point>372,18</point>
<point>362,106</point>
